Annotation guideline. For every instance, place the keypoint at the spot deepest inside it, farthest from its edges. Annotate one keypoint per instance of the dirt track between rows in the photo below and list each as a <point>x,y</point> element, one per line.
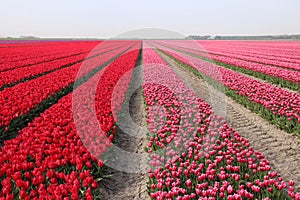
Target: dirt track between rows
<point>124,185</point>
<point>280,148</point>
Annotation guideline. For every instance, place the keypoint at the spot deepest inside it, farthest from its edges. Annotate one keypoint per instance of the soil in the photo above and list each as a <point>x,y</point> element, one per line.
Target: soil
<point>123,185</point>
<point>280,148</point>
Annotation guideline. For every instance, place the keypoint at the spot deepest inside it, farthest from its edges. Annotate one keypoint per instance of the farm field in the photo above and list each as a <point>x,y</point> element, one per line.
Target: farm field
<point>150,119</point>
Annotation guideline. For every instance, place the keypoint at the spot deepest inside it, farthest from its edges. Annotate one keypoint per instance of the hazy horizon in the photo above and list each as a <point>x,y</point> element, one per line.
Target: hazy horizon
<point>107,19</point>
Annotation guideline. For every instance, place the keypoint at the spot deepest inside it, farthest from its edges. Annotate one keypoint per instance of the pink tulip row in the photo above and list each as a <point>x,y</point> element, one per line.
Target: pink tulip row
<point>284,51</point>
<point>279,101</point>
<point>267,60</point>
<point>263,59</point>
<point>274,57</point>
<point>293,76</point>
<point>194,153</point>
<point>58,155</point>
<point>278,49</point>
<point>15,75</point>
<point>20,99</point>
<point>286,74</point>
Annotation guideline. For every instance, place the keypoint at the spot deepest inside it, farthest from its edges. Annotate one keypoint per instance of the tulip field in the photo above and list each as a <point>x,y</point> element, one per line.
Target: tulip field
<point>62,103</point>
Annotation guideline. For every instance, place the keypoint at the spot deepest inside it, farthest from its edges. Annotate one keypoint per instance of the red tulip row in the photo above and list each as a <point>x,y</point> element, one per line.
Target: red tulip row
<point>53,158</point>
<point>194,153</point>
<point>18,74</point>
<point>19,100</point>
<point>286,74</point>
<point>280,102</point>
<point>24,55</point>
<point>17,48</point>
<point>31,55</point>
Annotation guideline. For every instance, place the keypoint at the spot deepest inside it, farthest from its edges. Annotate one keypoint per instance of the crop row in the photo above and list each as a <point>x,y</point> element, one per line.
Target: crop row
<point>269,60</point>
<point>277,72</point>
<point>25,54</point>
<point>275,104</point>
<point>194,153</point>
<point>22,98</point>
<point>49,159</point>
<point>288,50</point>
<point>244,53</point>
<point>14,76</point>
<point>274,80</point>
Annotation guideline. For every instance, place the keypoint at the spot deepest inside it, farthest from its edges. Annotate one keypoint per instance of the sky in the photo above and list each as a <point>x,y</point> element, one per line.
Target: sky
<point>109,18</point>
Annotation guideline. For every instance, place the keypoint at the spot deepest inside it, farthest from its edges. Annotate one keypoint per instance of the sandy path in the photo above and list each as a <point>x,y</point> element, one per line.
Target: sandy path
<point>123,185</point>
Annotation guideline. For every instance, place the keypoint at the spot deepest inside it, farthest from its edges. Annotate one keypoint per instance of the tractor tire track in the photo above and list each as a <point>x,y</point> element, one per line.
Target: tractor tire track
<point>123,185</point>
